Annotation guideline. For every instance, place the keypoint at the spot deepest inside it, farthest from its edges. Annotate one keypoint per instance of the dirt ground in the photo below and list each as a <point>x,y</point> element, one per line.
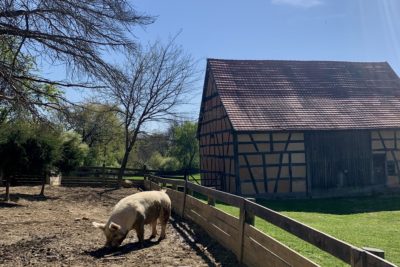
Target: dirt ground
<point>57,231</point>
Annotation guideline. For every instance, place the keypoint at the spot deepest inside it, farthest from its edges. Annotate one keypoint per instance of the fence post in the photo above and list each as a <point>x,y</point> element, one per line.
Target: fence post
<point>186,176</point>
<point>144,171</point>
<point>357,257</point>
<point>103,174</point>
<point>211,200</point>
<point>185,189</point>
<point>376,251</point>
<point>244,217</point>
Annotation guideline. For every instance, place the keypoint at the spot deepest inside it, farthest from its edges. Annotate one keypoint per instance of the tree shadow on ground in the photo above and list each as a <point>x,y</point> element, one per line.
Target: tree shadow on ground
<point>15,197</point>
<point>5,204</point>
<point>338,206</point>
<point>200,242</point>
<point>122,250</point>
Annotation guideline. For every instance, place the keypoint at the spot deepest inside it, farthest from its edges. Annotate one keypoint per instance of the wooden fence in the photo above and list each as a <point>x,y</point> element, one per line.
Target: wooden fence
<point>107,177</point>
<point>24,180</point>
<point>251,246</point>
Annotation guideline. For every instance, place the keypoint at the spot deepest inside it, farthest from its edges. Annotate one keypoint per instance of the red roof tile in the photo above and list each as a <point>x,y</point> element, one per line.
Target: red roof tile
<point>261,95</point>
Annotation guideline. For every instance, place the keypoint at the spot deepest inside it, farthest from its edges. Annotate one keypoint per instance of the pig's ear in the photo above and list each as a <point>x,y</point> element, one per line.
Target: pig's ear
<point>101,226</point>
<point>114,226</point>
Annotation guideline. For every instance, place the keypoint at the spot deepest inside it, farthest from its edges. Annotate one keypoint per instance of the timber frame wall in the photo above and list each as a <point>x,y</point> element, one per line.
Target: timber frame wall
<point>247,163</point>
<point>271,162</point>
<point>387,142</point>
<point>216,142</point>
<point>239,235</point>
<point>262,163</point>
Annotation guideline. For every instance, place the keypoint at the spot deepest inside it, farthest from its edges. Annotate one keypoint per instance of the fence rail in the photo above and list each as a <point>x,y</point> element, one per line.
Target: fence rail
<point>107,177</point>
<point>250,245</point>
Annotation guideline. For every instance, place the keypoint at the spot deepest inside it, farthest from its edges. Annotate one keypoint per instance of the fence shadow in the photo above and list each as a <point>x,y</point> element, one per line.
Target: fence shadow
<point>337,206</point>
<point>194,235</point>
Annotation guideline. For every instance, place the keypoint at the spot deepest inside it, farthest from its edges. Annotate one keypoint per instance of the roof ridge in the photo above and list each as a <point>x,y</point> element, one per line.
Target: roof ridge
<point>294,60</point>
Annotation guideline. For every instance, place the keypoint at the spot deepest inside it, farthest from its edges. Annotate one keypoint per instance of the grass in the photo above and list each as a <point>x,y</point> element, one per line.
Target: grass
<point>192,178</point>
<point>363,222</point>
<point>133,177</point>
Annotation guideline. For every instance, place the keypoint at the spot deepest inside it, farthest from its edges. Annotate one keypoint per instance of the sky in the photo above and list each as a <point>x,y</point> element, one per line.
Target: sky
<point>343,30</point>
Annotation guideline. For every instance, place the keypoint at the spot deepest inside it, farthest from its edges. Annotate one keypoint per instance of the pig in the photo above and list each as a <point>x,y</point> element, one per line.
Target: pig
<point>133,212</point>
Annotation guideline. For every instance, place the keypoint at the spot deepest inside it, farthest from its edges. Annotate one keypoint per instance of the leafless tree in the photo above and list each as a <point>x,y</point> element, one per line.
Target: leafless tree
<point>150,89</point>
<point>76,33</point>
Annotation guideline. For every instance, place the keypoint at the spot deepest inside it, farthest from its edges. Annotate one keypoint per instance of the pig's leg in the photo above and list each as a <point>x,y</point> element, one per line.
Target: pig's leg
<point>153,229</point>
<point>140,233</point>
<point>164,217</point>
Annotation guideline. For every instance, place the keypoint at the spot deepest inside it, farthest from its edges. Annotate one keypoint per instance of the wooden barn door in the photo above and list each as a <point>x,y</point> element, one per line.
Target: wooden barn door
<point>338,159</point>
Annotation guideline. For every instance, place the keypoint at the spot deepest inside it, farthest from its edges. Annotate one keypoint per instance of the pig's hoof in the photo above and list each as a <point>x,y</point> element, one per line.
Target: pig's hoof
<point>152,236</point>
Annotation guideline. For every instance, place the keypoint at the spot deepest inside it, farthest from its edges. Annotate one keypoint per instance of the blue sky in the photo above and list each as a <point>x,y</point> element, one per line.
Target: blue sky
<point>346,30</point>
<point>349,30</point>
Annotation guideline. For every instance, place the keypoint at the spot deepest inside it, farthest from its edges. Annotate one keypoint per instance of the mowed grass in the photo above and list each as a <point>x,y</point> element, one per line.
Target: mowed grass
<point>363,222</point>
<point>192,178</point>
<point>360,221</point>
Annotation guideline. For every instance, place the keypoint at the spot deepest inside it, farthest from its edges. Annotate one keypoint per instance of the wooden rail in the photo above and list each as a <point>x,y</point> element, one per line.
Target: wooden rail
<point>251,246</point>
<point>104,176</point>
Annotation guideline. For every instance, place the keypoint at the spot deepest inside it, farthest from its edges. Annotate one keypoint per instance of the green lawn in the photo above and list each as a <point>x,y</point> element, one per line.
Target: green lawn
<point>192,178</point>
<point>363,222</point>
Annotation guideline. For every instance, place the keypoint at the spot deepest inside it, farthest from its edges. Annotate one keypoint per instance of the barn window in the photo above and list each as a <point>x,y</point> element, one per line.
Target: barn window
<point>391,170</point>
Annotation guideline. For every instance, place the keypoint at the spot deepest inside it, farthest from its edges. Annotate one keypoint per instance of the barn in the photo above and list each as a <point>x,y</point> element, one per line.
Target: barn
<point>270,128</point>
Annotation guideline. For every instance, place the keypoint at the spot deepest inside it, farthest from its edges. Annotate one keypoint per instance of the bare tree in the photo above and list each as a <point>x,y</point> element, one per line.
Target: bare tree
<point>75,33</point>
<point>150,89</point>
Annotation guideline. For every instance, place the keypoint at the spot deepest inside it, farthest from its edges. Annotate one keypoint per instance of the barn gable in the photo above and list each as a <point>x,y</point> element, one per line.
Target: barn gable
<point>268,127</point>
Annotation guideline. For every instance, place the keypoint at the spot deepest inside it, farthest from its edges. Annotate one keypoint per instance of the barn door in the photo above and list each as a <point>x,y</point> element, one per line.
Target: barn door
<point>338,159</point>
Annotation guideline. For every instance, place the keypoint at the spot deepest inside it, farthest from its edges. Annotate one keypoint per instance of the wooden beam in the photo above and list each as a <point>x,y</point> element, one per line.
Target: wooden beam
<point>280,162</point>
<point>392,152</point>
<point>236,162</point>
<point>251,174</point>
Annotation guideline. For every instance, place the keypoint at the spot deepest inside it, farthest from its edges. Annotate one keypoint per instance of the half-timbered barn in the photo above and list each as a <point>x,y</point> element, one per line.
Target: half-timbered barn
<point>299,127</point>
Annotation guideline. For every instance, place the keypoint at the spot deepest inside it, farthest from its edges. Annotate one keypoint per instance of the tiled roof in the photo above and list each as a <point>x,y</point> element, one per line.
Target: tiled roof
<point>263,95</point>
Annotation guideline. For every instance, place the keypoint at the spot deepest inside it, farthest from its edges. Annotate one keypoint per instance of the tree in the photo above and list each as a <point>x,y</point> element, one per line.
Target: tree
<point>42,152</point>
<point>146,146</point>
<point>13,156</point>
<point>75,33</point>
<point>184,144</point>
<point>150,89</point>
<point>73,152</point>
<point>101,129</point>
<point>27,148</point>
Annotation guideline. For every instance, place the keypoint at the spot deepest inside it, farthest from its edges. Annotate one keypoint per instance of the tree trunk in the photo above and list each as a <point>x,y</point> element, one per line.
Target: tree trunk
<point>43,184</point>
<point>123,167</point>
<point>7,197</point>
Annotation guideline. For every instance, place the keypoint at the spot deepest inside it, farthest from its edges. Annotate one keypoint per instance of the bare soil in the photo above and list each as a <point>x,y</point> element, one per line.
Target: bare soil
<point>57,231</point>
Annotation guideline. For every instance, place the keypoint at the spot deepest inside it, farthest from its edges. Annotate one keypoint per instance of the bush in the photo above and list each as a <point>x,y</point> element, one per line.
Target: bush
<point>73,152</point>
<point>158,162</point>
<point>27,149</point>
